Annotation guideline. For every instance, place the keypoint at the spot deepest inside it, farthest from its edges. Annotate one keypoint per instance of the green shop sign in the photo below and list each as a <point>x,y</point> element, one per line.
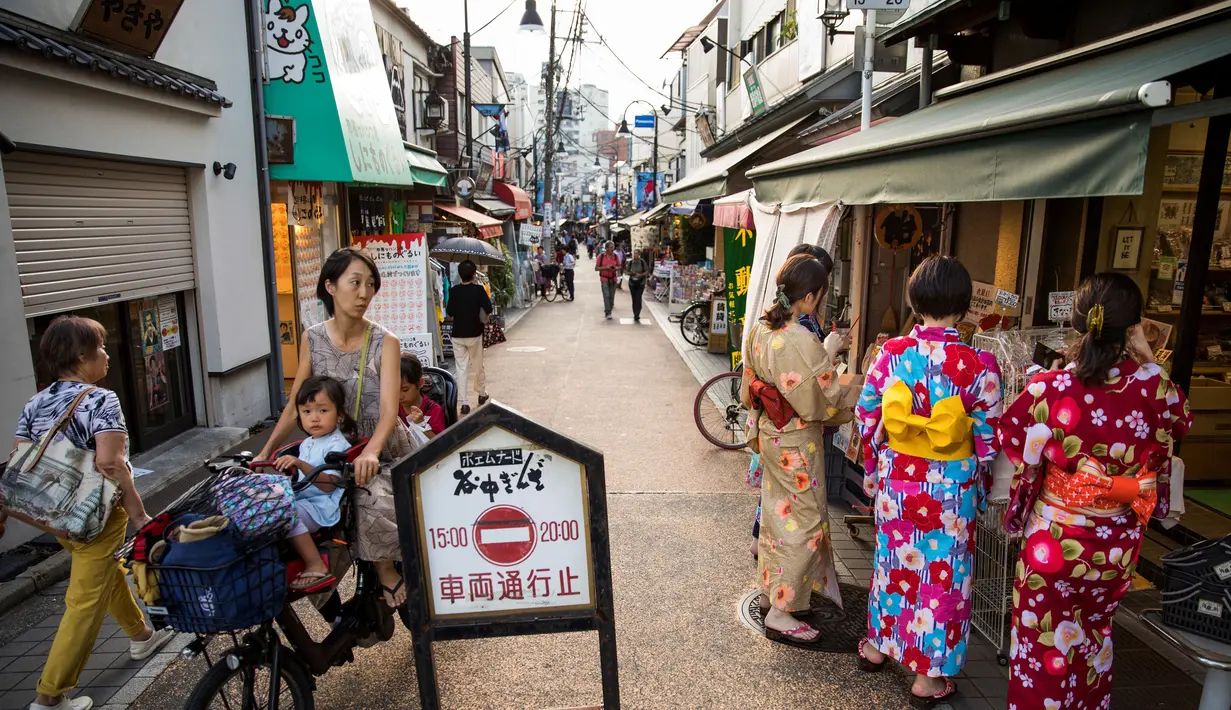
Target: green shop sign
<point>756,97</point>
<point>324,68</point>
<point>738,248</point>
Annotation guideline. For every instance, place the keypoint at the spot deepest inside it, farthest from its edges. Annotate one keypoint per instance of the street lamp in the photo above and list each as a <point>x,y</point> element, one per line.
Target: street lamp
<point>560,148</point>
<point>654,156</point>
<point>530,21</point>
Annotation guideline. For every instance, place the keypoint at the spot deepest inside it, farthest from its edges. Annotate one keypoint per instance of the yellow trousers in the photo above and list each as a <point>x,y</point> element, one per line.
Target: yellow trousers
<point>96,586</point>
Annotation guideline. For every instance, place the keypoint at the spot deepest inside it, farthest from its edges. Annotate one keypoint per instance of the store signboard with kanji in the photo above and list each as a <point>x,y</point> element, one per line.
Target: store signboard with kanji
<point>401,305</point>
<point>738,250</point>
<point>505,529</point>
<point>135,26</point>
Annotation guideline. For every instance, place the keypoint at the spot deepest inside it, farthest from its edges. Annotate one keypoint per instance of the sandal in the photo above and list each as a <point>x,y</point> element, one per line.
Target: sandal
<point>790,637</point>
<point>866,665</point>
<point>928,702</point>
<point>312,581</point>
<point>392,594</point>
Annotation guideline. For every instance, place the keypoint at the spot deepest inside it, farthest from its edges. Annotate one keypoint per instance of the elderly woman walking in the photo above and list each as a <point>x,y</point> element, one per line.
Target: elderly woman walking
<point>928,416</point>
<point>365,358</point>
<point>72,349</point>
<point>791,387</point>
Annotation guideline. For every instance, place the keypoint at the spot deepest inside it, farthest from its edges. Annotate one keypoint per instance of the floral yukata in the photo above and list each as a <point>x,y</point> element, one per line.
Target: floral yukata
<point>1070,441</point>
<point>928,416</point>
<point>794,552</point>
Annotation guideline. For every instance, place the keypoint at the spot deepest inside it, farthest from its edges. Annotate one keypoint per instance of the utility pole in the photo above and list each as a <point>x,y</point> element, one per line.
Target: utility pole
<point>654,157</point>
<point>869,49</point>
<point>469,99</point>
<point>550,147</point>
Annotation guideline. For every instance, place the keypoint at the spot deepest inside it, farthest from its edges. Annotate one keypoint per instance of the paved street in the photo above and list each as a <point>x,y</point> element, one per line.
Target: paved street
<point>679,513</point>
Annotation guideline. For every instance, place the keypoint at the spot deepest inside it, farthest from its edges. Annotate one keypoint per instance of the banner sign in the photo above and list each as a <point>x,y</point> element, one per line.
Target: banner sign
<point>401,306</point>
<point>756,97</point>
<point>643,121</point>
<point>738,249</point>
<point>645,190</point>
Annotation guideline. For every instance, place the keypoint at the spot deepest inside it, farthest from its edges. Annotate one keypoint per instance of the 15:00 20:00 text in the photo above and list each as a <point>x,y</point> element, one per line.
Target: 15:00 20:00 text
<point>564,530</point>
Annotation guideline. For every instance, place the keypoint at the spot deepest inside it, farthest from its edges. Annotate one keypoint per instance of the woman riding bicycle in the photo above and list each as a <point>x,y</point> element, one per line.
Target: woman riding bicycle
<point>364,357</point>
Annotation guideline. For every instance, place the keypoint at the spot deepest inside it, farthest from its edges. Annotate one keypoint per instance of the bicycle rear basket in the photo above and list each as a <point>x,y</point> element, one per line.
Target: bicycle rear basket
<point>1197,594</point>
<point>237,595</point>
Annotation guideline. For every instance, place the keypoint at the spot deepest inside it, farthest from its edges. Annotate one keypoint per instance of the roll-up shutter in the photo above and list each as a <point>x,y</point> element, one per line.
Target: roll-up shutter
<point>91,231</point>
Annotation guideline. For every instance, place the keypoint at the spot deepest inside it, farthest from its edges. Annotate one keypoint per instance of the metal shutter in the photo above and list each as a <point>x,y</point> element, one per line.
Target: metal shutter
<point>91,231</point>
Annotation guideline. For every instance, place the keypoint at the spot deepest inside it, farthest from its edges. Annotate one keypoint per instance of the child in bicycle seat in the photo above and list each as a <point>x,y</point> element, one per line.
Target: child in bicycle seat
<point>415,409</point>
<point>321,404</point>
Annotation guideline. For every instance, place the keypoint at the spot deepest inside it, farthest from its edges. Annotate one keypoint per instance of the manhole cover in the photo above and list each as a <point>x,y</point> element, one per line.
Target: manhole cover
<point>526,349</point>
<point>841,629</point>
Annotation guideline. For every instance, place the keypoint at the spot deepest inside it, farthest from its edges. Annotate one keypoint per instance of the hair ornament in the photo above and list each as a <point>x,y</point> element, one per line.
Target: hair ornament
<point>1094,321</point>
<point>781,298</point>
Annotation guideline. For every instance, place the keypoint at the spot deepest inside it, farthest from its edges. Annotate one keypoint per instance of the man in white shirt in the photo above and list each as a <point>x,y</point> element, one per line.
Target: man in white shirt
<point>570,263</point>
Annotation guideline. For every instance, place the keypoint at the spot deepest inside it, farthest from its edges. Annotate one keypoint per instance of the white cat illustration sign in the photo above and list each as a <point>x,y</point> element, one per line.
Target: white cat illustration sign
<point>286,42</point>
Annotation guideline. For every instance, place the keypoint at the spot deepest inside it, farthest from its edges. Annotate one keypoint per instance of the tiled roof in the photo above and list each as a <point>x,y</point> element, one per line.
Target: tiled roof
<point>79,52</point>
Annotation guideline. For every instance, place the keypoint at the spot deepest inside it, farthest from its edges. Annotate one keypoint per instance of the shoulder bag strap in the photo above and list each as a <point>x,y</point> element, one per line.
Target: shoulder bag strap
<point>363,366</point>
<point>47,438</point>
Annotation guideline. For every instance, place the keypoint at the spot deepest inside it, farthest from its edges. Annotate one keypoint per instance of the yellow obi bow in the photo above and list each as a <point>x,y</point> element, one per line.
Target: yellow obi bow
<point>945,436</point>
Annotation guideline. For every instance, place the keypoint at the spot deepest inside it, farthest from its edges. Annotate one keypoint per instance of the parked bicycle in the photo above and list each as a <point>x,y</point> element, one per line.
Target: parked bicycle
<point>695,319</point>
<point>718,412</point>
<point>243,675</point>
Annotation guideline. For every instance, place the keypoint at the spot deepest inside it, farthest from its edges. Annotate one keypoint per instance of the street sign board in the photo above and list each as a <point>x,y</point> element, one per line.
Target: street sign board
<point>503,529</point>
<point>877,4</point>
<point>643,121</point>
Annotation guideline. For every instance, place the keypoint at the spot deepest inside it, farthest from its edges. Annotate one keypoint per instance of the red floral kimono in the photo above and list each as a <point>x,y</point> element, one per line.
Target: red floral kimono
<point>1073,446</point>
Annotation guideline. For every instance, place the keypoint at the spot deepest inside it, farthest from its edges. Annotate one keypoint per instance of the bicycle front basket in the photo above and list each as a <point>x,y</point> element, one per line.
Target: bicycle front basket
<point>238,594</point>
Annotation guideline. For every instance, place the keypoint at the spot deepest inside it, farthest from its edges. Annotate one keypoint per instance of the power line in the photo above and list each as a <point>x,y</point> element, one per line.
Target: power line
<point>605,43</point>
<point>497,17</point>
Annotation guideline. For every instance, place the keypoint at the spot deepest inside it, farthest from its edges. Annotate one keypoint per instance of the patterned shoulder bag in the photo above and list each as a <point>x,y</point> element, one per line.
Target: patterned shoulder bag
<point>53,485</point>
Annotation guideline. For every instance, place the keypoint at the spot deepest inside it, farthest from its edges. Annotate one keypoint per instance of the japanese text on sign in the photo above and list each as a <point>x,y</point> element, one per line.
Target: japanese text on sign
<point>505,528</point>
<point>1060,306</point>
<point>401,305</point>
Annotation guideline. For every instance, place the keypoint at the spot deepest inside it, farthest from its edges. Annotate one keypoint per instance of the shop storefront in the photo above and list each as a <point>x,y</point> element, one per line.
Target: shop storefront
<point>345,179</point>
<point>1084,162</point>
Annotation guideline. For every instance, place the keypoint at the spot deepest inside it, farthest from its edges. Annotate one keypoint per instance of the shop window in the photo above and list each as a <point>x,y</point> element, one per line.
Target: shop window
<point>149,368</point>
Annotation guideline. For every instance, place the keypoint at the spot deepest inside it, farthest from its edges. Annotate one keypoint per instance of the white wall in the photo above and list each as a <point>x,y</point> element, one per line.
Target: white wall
<point>113,117</point>
<point>17,375</point>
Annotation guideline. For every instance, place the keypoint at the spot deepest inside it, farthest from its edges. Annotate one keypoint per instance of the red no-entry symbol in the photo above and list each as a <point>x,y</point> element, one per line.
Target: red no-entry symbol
<point>504,535</point>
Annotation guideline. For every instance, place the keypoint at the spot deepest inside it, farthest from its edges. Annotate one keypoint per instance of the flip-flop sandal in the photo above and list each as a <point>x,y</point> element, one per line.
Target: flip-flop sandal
<point>927,703</point>
<point>789,637</point>
<point>801,614</point>
<point>866,665</point>
<point>309,582</point>
<point>392,593</point>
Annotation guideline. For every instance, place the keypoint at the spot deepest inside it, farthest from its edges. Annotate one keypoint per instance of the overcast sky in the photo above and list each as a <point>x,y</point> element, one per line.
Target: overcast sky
<point>640,31</point>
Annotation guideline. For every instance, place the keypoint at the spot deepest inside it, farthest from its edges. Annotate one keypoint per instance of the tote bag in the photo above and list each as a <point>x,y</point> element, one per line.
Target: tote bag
<point>52,484</point>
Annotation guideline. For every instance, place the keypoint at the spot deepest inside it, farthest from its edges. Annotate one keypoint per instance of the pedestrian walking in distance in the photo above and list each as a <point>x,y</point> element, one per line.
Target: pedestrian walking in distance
<point>608,268</point>
<point>637,270</point>
<point>569,264</point>
<point>469,306</point>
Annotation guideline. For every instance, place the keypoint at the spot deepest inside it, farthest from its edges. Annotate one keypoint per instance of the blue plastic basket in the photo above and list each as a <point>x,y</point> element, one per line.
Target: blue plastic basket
<point>237,595</point>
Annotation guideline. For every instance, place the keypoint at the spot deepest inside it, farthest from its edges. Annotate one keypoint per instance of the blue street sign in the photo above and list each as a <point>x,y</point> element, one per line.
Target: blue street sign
<point>643,122</point>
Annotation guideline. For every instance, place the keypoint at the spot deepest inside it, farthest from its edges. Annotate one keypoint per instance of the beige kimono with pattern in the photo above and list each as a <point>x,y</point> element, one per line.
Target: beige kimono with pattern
<point>795,550</point>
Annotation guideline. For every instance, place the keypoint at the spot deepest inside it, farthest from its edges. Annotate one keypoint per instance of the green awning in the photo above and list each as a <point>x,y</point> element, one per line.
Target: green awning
<point>325,71</point>
<point>425,169</point>
<point>1073,125</point>
<point>710,180</point>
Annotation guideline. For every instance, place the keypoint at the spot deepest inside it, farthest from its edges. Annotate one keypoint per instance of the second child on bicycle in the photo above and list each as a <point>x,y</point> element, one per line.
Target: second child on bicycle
<point>320,405</point>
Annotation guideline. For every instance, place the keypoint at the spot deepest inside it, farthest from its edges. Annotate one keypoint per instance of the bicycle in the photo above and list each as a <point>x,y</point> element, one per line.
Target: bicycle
<point>241,676</point>
<point>719,414</point>
<point>695,320</point>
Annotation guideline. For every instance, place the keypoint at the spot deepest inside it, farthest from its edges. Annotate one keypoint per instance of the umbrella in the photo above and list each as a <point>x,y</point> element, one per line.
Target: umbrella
<point>463,248</point>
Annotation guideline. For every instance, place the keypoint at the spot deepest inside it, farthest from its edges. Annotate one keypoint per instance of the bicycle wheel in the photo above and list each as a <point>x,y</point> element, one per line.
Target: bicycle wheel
<point>695,325</point>
<point>247,686</point>
<point>719,415</point>
<point>552,293</point>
